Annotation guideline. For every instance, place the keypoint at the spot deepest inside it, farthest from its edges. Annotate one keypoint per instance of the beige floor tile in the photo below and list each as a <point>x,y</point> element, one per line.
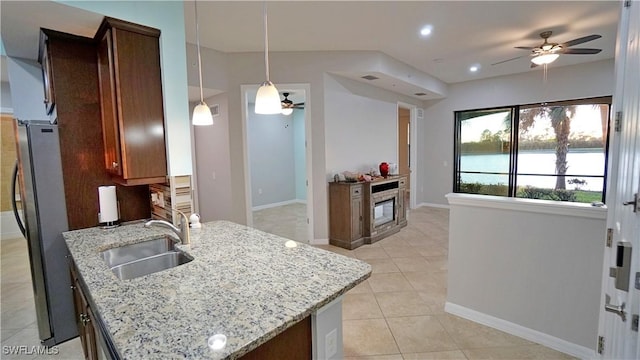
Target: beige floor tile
<point>394,240</point>
<point>402,303</point>
<point>421,280</point>
<point>420,334</point>
<point>366,252</point>
<point>381,266</point>
<point>368,337</point>
<point>469,335</point>
<point>434,295</point>
<point>363,287</point>
<point>527,352</point>
<point>389,282</point>
<point>431,250</point>
<point>375,357</point>
<point>437,355</point>
<point>401,251</point>
<point>360,306</point>
<point>412,264</point>
<point>19,317</point>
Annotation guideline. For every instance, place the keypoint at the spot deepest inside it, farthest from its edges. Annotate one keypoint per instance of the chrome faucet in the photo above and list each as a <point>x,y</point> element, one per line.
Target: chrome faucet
<point>182,231</point>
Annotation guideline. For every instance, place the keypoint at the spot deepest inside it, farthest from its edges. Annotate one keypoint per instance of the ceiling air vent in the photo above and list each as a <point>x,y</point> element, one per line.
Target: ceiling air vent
<point>370,77</point>
<point>215,109</point>
<point>420,94</point>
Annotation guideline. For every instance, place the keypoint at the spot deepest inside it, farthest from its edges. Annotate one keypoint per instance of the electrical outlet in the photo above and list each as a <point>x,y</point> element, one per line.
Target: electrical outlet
<point>260,191</point>
<point>331,343</point>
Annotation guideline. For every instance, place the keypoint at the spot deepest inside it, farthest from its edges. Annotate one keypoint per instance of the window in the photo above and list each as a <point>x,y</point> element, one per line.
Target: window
<point>553,151</point>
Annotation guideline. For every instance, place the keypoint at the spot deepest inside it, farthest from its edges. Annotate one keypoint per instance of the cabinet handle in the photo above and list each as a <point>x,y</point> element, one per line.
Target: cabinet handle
<point>114,165</point>
<point>85,319</point>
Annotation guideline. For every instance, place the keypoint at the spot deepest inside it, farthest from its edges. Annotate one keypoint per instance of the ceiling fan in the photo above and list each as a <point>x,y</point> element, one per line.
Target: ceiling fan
<point>288,104</point>
<point>548,52</point>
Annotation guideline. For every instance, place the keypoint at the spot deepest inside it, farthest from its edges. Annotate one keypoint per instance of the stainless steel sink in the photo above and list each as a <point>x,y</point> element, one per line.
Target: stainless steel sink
<point>147,257</point>
<point>128,253</point>
<point>150,265</point>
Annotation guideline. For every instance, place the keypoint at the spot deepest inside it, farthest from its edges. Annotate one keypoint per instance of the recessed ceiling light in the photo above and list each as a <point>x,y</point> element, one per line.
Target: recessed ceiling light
<point>426,31</point>
<point>474,68</point>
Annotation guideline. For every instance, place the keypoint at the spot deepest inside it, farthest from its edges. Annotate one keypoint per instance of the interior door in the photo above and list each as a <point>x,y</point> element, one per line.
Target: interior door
<point>404,116</point>
<point>621,282</point>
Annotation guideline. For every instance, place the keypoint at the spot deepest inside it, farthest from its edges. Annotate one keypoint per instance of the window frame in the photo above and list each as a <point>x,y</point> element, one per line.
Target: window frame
<point>514,138</point>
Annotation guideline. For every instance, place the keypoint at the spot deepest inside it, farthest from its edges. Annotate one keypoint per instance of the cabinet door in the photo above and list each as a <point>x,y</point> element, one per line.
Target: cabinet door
<point>402,214</point>
<point>140,104</point>
<point>106,80</point>
<point>356,218</point>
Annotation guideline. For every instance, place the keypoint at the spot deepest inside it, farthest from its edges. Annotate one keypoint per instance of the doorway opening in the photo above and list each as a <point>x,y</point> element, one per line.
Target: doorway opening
<point>277,165</point>
<point>406,152</point>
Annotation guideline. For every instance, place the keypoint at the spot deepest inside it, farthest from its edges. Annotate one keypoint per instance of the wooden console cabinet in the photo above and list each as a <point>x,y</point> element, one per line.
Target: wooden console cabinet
<point>365,212</point>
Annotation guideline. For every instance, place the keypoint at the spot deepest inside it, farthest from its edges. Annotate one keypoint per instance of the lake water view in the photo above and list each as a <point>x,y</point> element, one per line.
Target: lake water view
<point>580,162</point>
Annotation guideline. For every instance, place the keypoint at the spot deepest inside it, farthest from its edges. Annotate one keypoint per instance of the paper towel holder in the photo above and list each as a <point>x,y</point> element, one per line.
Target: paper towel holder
<point>109,224</point>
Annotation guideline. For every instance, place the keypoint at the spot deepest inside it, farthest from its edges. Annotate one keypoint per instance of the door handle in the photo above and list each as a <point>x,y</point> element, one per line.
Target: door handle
<point>634,203</point>
<point>616,309</point>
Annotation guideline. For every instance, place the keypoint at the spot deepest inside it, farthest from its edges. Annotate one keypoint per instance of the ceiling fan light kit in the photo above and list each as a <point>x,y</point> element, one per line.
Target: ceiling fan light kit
<point>544,59</point>
<point>202,112</point>
<point>548,52</point>
<point>267,98</point>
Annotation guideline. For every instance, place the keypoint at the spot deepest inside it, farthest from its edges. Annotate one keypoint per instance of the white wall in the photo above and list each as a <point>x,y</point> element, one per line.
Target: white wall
<point>212,167</point>
<point>299,154</point>
<point>271,158</point>
<point>27,89</point>
<point>529,267</point>
<point>435,132</point>
<point>362,130</point>
<point>5,96</point>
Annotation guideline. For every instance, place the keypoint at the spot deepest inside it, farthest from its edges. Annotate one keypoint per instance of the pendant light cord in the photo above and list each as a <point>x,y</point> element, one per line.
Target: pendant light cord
<point>199,58</point>
<point>266,40</point>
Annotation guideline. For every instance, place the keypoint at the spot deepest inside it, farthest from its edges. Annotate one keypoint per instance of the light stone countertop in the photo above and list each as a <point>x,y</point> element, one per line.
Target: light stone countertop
<point>243,283</point>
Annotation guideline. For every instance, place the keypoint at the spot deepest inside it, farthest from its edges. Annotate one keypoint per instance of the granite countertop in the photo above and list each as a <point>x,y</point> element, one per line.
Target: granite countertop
<point>243,283</point>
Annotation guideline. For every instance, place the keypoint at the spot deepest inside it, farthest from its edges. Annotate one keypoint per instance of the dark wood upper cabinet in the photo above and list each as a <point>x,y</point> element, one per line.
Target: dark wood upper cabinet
<point>44,58</point>
<point>131,102</point>
<point>73,73</point>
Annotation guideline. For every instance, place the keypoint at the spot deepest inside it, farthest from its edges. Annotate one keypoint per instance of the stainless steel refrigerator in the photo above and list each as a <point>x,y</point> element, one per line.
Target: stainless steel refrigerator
<point>45,218</point>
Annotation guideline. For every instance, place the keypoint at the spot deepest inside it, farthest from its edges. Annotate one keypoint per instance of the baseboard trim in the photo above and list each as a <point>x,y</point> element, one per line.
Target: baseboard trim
<point>10,229</point>
<point>434,205</point>
<point>282,203</point>
<point>319,242</point>
<point>521,331</point>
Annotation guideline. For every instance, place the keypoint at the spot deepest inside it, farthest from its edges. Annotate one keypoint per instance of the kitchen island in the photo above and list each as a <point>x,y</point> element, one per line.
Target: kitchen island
<point>242,282</point>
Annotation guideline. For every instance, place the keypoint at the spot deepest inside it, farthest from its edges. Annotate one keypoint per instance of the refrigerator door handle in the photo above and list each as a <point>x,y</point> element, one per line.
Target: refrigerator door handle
<point>14,202</point>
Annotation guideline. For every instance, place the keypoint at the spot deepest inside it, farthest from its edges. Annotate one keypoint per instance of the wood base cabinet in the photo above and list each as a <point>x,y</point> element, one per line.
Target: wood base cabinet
<point>131,102</point>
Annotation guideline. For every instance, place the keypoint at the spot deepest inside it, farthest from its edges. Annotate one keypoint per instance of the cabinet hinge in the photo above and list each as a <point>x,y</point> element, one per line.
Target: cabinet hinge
<point>618,121</point>
<point>609,237</point>
<point>600,345</point>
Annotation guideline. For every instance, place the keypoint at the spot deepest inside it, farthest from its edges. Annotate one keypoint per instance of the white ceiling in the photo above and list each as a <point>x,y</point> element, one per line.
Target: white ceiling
<point>465,33</point>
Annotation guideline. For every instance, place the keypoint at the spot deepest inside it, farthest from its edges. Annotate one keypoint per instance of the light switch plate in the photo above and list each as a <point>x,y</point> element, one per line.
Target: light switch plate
<point>638,280</point>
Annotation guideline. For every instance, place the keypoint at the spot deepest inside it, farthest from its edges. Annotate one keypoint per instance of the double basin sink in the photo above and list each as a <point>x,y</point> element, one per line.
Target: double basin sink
<point>143,258</point>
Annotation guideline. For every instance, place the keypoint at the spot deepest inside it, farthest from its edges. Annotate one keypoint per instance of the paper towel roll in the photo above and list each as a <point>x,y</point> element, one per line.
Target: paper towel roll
<point>108,204</point>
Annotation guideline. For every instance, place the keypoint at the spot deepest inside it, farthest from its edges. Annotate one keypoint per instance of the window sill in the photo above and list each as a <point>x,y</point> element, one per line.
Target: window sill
<point>549,207</point>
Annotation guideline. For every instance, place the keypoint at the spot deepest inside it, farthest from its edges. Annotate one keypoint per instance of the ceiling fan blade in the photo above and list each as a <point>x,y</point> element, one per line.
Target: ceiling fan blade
<point>504,61</point>
<point>580,51</point>
<point>581,40</point>
<point>525,47</point>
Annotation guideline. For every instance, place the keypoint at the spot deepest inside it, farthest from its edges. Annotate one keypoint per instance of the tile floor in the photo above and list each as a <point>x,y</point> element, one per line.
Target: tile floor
<point>398,313</point>
<point>289,221</point>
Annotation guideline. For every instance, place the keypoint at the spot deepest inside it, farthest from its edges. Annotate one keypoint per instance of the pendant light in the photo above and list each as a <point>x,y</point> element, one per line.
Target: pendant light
<point>202,112</point>
<point>267,98</point>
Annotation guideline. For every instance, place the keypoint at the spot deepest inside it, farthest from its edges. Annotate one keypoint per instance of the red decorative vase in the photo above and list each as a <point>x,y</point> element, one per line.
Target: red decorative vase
<point>384,169</point>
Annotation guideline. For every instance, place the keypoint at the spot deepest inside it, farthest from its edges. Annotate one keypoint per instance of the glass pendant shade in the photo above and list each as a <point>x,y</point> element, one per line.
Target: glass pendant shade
<point>202,115</point>
<point>544,59</point>
<point>287,111</point>
<point>268,99</point>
